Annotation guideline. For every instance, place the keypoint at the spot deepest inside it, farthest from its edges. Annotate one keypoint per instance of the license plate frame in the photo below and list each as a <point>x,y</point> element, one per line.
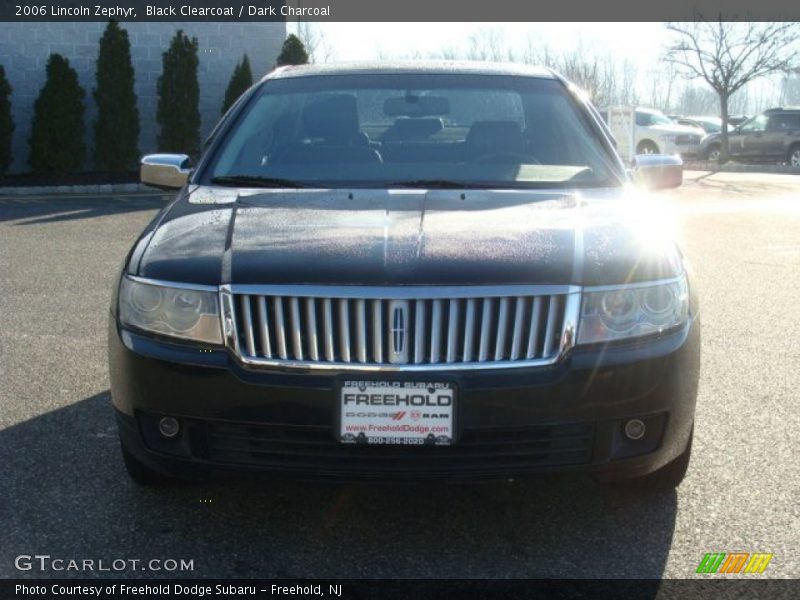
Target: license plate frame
<point>429,412</point>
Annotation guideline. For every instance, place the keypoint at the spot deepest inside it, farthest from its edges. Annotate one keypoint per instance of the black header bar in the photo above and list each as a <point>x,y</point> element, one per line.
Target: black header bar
<point>397,11</point>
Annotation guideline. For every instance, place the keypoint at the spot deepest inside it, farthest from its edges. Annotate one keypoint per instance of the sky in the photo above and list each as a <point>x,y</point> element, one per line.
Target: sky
<point>641,43</point>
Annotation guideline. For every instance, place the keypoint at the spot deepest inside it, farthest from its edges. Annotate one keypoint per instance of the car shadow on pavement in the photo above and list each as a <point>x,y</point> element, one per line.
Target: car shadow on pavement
<point>66,494</point>
<point>52,209</point>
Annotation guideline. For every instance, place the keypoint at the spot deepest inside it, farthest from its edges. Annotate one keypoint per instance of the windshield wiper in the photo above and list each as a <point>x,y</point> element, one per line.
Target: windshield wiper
<point>439,184</point>
<point>258,181</point>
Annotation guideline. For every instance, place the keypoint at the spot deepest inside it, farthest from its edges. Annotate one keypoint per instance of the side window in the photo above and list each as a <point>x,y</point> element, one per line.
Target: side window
<point>756,124</point>
<point>780,123</point>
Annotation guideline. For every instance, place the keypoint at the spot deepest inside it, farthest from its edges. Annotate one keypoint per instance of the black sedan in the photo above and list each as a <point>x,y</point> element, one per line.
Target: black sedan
<point>407,272</point>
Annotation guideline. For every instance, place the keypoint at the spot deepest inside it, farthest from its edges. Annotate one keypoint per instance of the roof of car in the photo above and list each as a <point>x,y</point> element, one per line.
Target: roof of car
<point>417,66</point>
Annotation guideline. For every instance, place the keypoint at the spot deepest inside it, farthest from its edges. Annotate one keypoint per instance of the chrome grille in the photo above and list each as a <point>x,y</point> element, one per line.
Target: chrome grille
<point>399,328</point>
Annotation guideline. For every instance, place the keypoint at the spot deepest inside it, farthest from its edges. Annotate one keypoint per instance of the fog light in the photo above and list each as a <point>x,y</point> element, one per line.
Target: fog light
<point>634,429</point>
<point>169,427</point>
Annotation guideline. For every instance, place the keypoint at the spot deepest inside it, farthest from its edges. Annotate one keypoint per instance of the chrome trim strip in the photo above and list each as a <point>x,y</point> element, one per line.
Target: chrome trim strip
<point>377,331</point>
<point>401,292</point>
<point>452,329</point>
<point>172,284</point>
<point>533,336</point>
<point>550,328</point>
<point>311,328</point>
<point>280,328</point>
<point>264,326</point>
<point>361,330</point>
<point>516,340</point>
<point>486,320</point>
<point>297,331</point>
<point>469,331</point>
<point>328,320</point>
<point>419,331</point>
<point>248,326</point>
<point>502,325</point>
<point>624,286</point>
<point>344,329</point>
<point>436,330</point>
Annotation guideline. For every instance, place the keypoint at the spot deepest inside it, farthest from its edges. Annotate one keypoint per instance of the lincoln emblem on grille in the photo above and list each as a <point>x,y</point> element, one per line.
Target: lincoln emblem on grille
<point>398,324</point>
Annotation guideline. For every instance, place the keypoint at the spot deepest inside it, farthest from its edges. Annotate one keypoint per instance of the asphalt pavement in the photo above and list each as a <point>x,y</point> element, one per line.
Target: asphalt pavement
<point>64,492</point>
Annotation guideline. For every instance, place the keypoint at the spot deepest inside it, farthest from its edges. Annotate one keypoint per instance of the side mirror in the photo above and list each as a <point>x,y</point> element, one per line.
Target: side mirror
<point>657,171</point>
<point>165,171</point>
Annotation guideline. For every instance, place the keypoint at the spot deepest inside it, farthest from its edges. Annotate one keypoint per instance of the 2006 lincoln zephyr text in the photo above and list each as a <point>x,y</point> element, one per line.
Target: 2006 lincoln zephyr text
<point>406,272</point>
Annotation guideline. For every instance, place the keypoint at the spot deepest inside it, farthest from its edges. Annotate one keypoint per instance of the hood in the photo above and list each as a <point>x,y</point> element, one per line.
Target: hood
<point>410,237</point>
<point>675,129</point>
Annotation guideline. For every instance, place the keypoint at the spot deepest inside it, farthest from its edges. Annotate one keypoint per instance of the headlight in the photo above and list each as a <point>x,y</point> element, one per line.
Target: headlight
<point>190,314</point>
<point>625,311</point>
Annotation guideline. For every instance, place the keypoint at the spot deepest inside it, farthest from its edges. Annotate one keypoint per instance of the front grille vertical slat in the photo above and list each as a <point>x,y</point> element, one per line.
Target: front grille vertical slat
<point>327,320</point>
<point>469,331</point>
<point>361,331</point>
<point>344,329</point>
<point>263,327</point>
<point>297,331</point>
<point>436,330</point>
<point>249,339</point>
<point>311,329</point>
<point>419,331</point>
<point>533,335</point>
<point>550,331</point>
<point>452,330</point>
<point>308,327</point>
<point>377,331</point>
<point>280,327</point>
<point>519,328</point>
<point>486,323</point>
<point>502,326</point>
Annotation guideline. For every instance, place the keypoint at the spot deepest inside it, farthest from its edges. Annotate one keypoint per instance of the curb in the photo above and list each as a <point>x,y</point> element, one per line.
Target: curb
<point>738,168</point>
<point>52,190</point>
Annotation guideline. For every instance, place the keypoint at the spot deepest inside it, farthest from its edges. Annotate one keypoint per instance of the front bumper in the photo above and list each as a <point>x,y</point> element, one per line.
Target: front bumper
<point>690,150</point>
<point>567,417</point>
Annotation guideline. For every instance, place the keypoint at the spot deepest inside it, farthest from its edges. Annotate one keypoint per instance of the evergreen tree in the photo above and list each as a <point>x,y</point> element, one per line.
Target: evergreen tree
<point>241,80</point>
<point>116,130</point>
<point>57,135</point>
<point>178,113</point>
<point>293,52</point>
<point>6,124</point>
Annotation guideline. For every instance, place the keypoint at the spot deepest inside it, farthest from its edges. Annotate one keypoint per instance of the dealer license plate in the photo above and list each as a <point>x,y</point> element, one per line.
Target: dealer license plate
<point>396,412</point>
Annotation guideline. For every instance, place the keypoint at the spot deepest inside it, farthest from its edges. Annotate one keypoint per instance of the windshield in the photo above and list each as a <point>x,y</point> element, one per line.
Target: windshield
<point>647,118</point>
<point>444,130</point>
<point>711,125</point>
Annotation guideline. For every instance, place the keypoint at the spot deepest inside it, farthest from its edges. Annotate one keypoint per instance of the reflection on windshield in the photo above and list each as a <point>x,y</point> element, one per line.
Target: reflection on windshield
<point>413,130</point>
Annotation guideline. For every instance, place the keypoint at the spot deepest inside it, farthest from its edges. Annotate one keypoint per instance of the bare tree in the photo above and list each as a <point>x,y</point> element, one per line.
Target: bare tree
<point>729,55</point>
<point>487,44</point>
<point>316,43</point>
<point>790,89</point>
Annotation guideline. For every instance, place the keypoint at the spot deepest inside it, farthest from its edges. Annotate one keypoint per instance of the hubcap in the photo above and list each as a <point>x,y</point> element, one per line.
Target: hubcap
<point>713,155</point>
<point>795,159</point>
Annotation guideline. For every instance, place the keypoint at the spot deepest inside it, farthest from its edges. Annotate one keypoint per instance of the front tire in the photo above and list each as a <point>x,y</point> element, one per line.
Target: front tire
<point>714,153</point>
<point>646,147</point>
<point>793,157</point>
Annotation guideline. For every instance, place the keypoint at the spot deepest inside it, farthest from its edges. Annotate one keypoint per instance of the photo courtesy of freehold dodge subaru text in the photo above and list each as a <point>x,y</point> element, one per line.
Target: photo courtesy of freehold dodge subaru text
<point>407,271</point>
